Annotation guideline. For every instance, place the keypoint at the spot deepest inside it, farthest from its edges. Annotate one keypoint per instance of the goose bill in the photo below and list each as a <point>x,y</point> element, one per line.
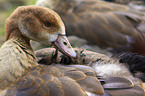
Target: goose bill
<point>63,45</point>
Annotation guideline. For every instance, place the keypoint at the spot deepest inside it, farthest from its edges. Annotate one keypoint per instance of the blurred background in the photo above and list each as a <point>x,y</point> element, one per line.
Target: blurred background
<point>8,6</point>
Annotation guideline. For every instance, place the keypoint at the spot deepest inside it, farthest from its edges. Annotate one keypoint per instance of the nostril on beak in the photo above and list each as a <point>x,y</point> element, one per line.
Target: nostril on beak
<point>64,43</point>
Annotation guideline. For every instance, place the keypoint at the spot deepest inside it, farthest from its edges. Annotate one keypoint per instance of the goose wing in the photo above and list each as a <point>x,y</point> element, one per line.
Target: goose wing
<point>56,80</point>
<point>119,86</point>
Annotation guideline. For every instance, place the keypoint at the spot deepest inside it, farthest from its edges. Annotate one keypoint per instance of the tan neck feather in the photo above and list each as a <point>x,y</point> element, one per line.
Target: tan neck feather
<point>15,59</point>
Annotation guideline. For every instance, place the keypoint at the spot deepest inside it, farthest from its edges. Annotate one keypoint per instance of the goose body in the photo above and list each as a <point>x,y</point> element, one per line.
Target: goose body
<point>101,23</point>
<point>56,80</point>
<point>19,66</point>
<point>111,71</point>
<point>103,65</point>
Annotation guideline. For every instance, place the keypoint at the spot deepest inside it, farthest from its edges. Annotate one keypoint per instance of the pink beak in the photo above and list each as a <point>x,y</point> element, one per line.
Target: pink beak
<point>63,45</point>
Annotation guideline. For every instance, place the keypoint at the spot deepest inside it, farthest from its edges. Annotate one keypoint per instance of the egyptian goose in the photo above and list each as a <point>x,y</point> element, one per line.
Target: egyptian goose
<point>114,78</point>
<point>19,67</point>
<point>101,23</point>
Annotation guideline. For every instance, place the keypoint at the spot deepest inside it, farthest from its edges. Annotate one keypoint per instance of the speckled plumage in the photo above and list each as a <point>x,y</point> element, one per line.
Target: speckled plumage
<point>14,56</point>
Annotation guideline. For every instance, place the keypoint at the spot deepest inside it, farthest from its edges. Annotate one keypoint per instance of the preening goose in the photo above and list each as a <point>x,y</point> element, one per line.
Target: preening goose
<point>19,67</point>
<point>105,24</point>
<point>116,75</point>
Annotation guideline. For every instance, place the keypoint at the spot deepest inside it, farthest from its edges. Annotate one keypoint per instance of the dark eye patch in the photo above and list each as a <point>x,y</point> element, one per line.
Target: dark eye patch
<point>47,24</point>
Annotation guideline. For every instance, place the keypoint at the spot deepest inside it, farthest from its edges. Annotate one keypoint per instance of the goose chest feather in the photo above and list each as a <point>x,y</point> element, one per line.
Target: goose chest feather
<point>17,57</point>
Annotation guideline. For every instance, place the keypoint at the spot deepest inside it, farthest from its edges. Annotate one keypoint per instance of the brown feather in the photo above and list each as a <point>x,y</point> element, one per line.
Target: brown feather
<point>105,24</point>
<point>46,80</point>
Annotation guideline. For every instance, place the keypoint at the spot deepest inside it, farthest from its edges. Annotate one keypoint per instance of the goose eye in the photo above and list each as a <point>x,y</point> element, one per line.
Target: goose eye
<point>47,24</point>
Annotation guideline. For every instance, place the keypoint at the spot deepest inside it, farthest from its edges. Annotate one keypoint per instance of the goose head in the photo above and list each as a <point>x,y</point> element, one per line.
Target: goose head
<point>39,24</point>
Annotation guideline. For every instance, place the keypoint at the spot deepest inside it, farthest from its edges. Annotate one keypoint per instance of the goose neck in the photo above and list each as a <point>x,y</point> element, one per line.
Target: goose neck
<point>16,58</point>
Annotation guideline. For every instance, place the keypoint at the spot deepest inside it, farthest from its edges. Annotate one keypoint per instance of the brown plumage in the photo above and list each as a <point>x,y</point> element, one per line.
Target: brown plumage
<point>117,86</point>
<point>105,24</point>
<point>19,69</point>
<point>115,81</point>
<point>56,80</point>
